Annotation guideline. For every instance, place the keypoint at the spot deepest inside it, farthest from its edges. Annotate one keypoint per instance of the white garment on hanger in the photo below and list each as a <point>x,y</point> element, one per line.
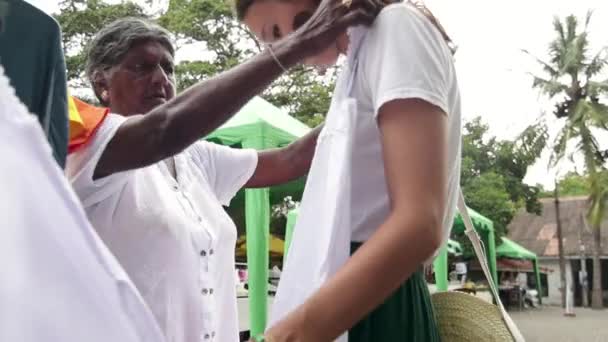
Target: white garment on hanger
<point>59,283</point>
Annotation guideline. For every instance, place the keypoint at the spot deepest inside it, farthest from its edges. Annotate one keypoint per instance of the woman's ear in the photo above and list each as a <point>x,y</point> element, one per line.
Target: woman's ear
<point>101,89</point>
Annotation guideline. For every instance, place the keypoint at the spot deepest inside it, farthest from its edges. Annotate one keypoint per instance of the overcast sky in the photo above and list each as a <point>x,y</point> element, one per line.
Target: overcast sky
<point>491,67</point>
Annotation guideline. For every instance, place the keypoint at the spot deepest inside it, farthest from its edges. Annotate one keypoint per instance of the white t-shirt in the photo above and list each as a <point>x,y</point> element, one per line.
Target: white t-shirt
<point>401,56</point>
<point>59,282</point>
<point>173,238</point>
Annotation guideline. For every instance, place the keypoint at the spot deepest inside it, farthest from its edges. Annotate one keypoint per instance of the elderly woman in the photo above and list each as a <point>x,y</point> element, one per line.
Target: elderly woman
<point>154,192</point>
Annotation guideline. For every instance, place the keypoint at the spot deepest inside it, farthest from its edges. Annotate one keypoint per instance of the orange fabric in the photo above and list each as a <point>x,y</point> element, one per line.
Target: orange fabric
<point>91,118</point>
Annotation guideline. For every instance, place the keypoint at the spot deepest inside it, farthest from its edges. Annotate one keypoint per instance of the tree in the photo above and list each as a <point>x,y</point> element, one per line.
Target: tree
<point>489,196</point>
<point>574,184</point>
<point>211,24</point>
<point>493,170</point>
<point>570,78</point>
<point>80,20</point>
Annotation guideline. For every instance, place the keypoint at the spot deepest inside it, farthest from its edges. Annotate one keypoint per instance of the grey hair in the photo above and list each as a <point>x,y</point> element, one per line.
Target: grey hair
<point>113,42</point>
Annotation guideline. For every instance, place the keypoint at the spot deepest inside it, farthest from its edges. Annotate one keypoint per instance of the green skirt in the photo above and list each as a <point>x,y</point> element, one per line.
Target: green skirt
<point>407,315</point>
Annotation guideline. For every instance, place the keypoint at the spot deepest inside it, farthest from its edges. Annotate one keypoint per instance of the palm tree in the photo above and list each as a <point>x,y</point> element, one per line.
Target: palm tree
<point>570,77</point>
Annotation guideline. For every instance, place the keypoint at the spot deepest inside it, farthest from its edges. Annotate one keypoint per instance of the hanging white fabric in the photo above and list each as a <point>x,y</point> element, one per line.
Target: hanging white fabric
<point>483,261</point>
<point>322,235</point>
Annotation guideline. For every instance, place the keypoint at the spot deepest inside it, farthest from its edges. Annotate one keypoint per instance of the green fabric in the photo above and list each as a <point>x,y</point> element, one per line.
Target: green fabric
<point>260,119</point>
<point>454,247</point>
<point>407,315</point>
<point>257,217</point>
<point>440,267</point>
<point>479,221</point>
<point>32,58</point>
<point>510,249</point>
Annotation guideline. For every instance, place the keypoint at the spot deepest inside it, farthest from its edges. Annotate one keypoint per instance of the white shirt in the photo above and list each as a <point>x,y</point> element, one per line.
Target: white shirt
<point>401,56</point>
<point>59,282</point>
<point>173,238</point>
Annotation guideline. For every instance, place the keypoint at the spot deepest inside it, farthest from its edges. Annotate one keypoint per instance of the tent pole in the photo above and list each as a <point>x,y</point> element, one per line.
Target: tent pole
<point>539,287</point>
<point>257,220</point>
<point>491,254</point>
<point>440,265</point>
<point>291,222</point>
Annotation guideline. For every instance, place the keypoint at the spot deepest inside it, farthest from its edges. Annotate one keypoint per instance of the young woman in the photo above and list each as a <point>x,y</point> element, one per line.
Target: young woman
<point>383,180</point>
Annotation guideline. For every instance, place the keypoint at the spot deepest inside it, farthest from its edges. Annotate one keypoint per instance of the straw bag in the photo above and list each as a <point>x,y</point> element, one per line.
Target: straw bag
<point>462,317</point>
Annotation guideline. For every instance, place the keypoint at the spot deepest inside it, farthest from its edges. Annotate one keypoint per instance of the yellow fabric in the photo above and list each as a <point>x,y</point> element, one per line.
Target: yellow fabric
<point>84,119</point>
<point>275,245</point>
<point>75,120</point>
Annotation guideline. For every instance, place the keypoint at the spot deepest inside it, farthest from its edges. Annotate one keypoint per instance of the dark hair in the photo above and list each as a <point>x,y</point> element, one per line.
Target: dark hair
<point>242,6</point>
<point>113,42</point>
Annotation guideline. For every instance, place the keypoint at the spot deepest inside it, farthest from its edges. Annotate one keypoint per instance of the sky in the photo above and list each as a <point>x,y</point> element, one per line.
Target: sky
<point>492,70</point>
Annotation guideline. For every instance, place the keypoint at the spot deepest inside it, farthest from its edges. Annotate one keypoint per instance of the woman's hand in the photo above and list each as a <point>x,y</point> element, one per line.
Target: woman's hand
<point>332,18</point>
<point>292,329</point>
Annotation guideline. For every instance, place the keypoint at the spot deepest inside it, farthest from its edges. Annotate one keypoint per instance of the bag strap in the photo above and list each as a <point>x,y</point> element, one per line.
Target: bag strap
<point>483,261</point>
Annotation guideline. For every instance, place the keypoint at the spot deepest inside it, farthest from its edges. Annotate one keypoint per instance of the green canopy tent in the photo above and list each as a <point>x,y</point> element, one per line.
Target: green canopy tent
<point>485,228</point>
<point>258,125</point>
<point>511,250</point>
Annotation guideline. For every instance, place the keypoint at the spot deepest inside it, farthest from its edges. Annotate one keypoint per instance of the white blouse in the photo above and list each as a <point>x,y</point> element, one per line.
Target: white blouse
<point>173,237</point>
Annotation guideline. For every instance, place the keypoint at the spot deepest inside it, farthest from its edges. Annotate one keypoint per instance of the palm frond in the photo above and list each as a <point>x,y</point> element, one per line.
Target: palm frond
<point>546,66</point>
<point>559,28</point>
<point>597,63</point>
<point>598,198</point>
<point>579,114</point>
<point>560,144</point>
<point>598,115</point>
<point>579,52</point>
<point>595,89</point>
<point>557,47</point>
<point>590,149</point>
<point>550,87</point>
<point>588,19</point>
<point>571,24</point>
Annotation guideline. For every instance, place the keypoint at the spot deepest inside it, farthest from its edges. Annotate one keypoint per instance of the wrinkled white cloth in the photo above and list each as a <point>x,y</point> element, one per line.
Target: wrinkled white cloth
<point>59,282</point>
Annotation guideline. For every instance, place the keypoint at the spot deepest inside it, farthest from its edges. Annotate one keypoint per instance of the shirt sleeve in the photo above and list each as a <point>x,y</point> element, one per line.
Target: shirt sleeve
<point>58,130</point>
<point>227,169</point>
<point>81,166</point>
<point>406,57</point>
